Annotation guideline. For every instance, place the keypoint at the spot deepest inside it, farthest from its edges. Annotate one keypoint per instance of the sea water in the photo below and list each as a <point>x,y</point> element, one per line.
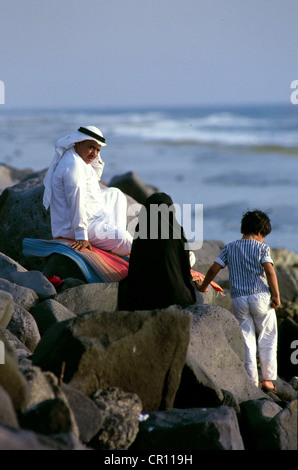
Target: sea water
<point>229,159</point>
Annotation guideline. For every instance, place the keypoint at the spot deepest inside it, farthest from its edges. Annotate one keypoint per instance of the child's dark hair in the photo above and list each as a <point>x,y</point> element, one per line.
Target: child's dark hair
<point>255,222</point>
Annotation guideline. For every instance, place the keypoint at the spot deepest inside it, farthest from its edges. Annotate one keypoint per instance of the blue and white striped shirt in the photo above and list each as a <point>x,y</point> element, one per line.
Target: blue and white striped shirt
<point>244,259</point>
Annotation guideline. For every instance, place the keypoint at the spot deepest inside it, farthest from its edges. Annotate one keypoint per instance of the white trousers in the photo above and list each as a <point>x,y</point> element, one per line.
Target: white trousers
<point>109,232</point>
<point>259,327</point>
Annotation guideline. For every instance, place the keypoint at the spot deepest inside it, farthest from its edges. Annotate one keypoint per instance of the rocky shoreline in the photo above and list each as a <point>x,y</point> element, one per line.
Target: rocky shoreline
<point>78,374</point>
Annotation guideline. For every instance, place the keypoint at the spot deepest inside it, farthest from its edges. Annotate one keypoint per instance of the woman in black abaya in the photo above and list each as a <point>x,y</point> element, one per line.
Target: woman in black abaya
<point>159,268</point>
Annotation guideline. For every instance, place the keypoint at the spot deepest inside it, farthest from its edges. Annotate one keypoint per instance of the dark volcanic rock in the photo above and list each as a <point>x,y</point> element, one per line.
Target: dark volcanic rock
<point>103,350</point>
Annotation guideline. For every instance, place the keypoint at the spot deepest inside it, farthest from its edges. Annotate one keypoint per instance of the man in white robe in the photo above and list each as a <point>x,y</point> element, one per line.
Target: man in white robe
<point>80,209</point>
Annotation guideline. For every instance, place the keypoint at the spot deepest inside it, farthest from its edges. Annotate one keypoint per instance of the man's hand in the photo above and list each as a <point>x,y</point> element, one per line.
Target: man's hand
<point>81,244</point>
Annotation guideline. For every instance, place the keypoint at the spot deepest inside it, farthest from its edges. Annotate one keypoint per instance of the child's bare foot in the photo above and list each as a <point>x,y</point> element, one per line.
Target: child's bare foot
<point>268,386</point>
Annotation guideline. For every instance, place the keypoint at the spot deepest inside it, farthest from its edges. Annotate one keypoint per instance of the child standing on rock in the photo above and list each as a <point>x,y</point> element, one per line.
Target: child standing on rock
<point>255,294</point>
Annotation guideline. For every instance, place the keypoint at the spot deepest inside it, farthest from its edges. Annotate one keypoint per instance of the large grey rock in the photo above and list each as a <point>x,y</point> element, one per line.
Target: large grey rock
<point>189,430</point>
<point>8,266</point>
<point>24,327</point>
<point>42,386</point>
<point>130,183</point>
<point>11,379</point>
<point>288,286</point>
<point>16,346</point>
<point>294,383</point>
<point>285,391</point>
<point>254,415</point>
<point>205,297</point>
<point>20,439</point>
<point>285,310</point>
<point>22,216</point>
<point>48,313</point>
<point>212,297</point>
<point>48,410</point>
<point>8,415</point>
<point>120,411</point>
<point>88,297</point>
<point>6,307</point>
<point>281,432</point>
<point>207,254</point>
<point>12,439</point>
<point>89,417</point>
<point>23,296</point>
<point>34,280</point>
<point>9,175</point>
<point>215,360</point>
<point>140,352</point>
<point>49,417</point>
<point>283,258</point>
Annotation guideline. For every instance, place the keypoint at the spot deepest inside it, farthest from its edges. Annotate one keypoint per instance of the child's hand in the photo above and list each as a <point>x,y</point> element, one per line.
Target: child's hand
<point>203,290</point>
<point>275,302</point>
<point>203,282</point>
<point>199,283</point>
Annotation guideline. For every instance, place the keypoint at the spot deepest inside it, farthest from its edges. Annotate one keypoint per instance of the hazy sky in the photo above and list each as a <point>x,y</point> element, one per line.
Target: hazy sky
<point>110,53</point>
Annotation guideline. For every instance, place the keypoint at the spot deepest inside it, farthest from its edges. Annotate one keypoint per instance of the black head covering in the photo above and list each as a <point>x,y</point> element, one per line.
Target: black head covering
<point>159,268</point>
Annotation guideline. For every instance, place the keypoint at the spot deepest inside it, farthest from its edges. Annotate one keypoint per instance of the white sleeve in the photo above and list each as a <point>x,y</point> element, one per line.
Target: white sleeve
<point>266,255</point>
<point>75,193</point>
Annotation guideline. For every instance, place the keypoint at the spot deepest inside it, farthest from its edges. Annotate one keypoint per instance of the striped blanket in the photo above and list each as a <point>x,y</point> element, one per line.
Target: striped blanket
<point>96,265</point>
